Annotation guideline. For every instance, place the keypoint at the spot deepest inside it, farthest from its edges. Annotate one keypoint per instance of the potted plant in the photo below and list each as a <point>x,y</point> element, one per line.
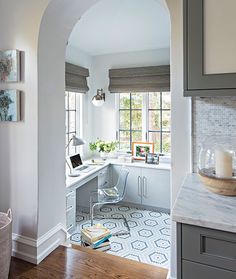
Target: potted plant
<point>103,147</point>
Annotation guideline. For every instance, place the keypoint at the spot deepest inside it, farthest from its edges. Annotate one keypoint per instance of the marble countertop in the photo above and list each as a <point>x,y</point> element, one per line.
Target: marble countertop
<point>195,205</point>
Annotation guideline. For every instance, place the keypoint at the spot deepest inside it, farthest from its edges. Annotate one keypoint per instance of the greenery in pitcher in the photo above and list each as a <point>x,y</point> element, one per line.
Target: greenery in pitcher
<point>103,146</point>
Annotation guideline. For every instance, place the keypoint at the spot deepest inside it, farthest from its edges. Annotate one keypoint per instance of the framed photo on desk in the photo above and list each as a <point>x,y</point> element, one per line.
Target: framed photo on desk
<point>140,149</point>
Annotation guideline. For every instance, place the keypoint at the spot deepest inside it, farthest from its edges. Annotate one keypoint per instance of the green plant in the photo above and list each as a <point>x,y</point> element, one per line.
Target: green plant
<point>103,146</point>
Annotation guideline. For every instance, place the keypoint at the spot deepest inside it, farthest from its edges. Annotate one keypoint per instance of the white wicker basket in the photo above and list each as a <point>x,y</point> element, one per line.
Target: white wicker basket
<point>5,243</point>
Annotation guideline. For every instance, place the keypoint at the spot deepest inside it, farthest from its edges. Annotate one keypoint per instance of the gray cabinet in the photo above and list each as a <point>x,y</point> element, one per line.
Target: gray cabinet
<point>205,253</point>
<point>133,187</point>
<point>104,177</point>
<point>70,210</point>
<point>146,186</point>
<point>209,69</point>
<point>156,188</point>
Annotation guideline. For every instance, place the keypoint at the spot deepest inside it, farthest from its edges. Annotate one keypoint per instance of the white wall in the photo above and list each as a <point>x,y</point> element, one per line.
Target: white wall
<point>33,146</point>
<point>79,57</point>
<point>180,116</point>
<point>105,116</point>
<point>19,27</point>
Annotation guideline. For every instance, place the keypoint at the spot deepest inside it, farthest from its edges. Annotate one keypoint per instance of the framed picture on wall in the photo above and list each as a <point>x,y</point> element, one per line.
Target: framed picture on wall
<point>140,149</point>
<point>10,66</point>
<point>9,105</point>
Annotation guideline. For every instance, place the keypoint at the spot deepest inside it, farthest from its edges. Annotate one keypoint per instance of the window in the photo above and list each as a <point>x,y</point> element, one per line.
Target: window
<point>72,111</point>
<point>145,117</point>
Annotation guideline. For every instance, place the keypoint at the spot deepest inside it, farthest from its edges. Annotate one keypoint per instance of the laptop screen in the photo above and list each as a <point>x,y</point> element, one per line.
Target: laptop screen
<point>76,161</point>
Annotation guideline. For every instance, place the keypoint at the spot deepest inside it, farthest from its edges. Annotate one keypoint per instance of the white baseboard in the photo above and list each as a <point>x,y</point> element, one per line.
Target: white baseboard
<point>169,276</point>
<point>35,250</point>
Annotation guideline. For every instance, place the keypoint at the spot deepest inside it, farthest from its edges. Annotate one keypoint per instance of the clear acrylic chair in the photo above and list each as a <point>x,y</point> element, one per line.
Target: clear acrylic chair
<point>110,195</point>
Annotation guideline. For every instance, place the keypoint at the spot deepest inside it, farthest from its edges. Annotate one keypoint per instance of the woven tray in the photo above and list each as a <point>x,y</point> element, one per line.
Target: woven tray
<point>221,186</point>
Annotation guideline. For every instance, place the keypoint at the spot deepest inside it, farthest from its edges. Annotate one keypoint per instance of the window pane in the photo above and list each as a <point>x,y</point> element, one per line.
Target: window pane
<point>66,100</point>
<point>124,100</point>
<point>67,122</point>
<point>154,100</point>
<point>166,143</point>
<point>136,136</point>
<point>166,120</point>
<point>166,99</point>
<point>154,120</point>
<point>124,140</point>
<point>124,120</point>
<point>136,119</point>
<point>72,102</point>
<point>156,138</point>
<point>136,100</point>
<point>72,115</point>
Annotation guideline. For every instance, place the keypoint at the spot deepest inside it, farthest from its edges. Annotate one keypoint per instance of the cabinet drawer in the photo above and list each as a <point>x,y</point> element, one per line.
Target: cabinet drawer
<point>70,216</point>
<point>207,246</point>
<point>196,271</point>
<point>70,199</point>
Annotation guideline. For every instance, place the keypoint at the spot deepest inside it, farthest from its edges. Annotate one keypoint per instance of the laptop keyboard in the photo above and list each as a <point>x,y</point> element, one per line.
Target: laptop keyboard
<point>82,168</point>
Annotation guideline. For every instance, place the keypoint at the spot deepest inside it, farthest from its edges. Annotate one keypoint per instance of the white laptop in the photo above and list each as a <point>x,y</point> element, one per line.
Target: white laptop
<point>78,165</point>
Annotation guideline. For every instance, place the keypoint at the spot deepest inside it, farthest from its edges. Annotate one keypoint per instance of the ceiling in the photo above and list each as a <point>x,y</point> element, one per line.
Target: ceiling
<point>114,26</point>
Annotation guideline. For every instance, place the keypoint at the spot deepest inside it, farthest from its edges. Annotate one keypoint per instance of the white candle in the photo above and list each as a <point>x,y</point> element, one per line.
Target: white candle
<point>223,162</point>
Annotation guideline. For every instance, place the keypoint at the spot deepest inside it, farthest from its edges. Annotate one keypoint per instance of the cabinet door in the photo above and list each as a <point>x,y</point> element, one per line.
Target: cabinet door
<point>133,187</point>
<point>195,271</point>
<point>104,178</point>
<point>210,63</point>
<point>156,188</point>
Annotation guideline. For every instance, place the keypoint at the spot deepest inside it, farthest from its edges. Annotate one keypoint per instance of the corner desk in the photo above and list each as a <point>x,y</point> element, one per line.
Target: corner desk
<point>148,186</point>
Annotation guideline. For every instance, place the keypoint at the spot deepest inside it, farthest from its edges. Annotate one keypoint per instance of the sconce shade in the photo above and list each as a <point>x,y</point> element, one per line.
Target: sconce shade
<point>77,141</point>
<point>99,99</point>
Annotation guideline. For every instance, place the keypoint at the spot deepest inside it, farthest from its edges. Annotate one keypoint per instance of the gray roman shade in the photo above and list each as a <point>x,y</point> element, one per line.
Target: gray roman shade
<point>76,78</point>
<point>142,79</point>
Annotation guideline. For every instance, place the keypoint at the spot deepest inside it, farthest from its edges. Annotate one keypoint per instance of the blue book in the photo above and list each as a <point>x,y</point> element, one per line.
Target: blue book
<point>97,243</point>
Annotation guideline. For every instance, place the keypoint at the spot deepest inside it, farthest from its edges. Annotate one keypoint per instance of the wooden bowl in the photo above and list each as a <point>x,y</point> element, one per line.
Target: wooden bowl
<point>221,186</point>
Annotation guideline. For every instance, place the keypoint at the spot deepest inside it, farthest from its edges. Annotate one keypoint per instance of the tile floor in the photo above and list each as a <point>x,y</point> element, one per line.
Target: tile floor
<point>149,240</point>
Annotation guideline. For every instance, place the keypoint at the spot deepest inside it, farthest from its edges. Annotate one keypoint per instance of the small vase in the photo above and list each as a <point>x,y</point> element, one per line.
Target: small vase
<point>103,155</point>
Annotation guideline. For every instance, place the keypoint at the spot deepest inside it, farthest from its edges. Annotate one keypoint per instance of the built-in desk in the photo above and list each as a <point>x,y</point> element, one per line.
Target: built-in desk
<point>148,186</point>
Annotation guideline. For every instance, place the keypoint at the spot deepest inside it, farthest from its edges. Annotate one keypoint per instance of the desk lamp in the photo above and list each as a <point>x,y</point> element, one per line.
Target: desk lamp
<point>75,142</point>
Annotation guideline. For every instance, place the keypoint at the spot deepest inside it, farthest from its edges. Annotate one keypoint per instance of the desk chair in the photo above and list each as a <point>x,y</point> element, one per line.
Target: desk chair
<point>111,195</point>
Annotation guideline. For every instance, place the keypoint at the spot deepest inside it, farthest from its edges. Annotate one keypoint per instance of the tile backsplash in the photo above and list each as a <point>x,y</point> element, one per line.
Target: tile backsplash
<point>211,116</point>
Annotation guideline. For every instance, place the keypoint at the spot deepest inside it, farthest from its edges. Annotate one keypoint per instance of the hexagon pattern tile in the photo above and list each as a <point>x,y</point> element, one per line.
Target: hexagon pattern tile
<point>149,240</point>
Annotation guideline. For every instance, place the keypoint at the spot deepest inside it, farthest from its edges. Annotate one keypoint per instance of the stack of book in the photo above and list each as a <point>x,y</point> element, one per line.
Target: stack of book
<point>96,237</point>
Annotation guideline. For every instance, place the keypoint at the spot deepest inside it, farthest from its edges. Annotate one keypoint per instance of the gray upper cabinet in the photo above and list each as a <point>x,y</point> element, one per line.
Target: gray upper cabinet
<point>209,48</point>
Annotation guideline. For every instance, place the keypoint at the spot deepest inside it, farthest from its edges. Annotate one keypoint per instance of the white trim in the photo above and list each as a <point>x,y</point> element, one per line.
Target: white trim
<point>169,276</point>
<point>35,250</point>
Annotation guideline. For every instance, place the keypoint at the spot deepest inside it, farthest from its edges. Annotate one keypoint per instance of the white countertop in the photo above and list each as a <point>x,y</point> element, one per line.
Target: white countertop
<point>195,205</point>
<point>70,181</point>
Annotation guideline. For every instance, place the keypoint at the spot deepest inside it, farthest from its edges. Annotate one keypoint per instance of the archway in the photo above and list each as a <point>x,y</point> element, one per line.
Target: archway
<point>57,23</point>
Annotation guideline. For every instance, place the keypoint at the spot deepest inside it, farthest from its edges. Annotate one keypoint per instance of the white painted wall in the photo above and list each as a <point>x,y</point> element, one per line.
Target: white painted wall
<point>105,116</point>
<point>41,147</point>
<point>19,27</point>
<point>180,116</point>
<point>101,121</point>
<point>79,57</point>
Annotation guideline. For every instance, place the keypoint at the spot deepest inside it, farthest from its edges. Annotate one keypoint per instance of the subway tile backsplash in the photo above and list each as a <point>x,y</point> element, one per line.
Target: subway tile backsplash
<point>212,116</point>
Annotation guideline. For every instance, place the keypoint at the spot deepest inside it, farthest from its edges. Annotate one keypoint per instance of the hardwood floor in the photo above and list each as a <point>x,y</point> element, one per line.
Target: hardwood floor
<point>84,263</point>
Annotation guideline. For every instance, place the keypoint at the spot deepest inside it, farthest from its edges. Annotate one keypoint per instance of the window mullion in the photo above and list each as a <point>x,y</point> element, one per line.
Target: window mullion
<point>144,117</point>
<point>131,140</point>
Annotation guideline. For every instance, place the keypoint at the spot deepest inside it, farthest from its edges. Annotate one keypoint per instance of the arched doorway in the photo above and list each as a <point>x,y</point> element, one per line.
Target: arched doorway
<point>57,23</point>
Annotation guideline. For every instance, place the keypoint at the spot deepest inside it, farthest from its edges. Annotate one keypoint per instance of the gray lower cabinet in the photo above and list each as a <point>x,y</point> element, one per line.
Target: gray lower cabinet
<point>156,188</point>
<point>104,177</point>
<point>205,253</point>
<point>146,186</point>
<point>200,271</point>
<point>70,210</point>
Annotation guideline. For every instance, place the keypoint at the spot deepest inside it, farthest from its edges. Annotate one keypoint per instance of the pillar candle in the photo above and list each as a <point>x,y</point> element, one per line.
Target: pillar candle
<point>223,163</point>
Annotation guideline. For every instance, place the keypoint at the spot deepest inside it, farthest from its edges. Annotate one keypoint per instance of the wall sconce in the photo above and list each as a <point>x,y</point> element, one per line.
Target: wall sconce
<point>99,99</point>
